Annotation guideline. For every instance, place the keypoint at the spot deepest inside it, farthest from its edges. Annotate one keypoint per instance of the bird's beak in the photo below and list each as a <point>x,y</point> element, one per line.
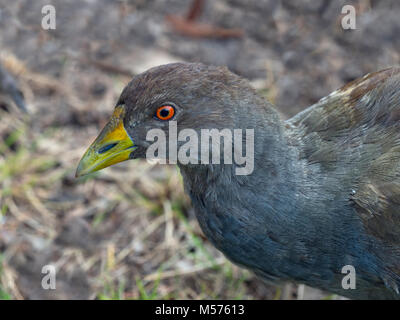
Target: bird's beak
<point>113,145</point>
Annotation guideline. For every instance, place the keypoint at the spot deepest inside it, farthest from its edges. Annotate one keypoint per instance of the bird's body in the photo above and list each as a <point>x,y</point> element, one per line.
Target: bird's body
<point>325,190</point>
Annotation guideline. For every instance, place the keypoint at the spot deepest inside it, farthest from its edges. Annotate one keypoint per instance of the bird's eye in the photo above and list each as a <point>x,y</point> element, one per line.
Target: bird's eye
<point>165,112</point>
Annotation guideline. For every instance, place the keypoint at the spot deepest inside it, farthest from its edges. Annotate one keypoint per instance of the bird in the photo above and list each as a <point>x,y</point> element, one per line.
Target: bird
<point>323,196</point>
<point>9,86</point>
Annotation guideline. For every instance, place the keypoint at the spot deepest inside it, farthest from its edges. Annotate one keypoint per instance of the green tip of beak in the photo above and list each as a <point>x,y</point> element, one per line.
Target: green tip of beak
<point>113,145</point>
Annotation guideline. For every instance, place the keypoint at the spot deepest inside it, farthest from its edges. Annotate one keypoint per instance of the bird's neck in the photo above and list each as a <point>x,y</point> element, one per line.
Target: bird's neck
<point>273,177</point>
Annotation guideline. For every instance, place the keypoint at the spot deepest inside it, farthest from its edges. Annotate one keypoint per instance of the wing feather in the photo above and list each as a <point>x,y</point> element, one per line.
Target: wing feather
<point>355,131</point>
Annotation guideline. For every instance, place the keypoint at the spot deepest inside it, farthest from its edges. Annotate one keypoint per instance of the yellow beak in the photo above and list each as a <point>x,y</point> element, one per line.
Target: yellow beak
<point>113,145</point>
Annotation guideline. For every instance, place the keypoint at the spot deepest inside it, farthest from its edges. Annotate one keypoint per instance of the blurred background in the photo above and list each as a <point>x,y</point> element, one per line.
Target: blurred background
<point>115,235</point>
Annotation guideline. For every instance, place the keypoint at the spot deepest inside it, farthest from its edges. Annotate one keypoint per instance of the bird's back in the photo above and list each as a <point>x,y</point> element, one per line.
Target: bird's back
<point>351,141</point>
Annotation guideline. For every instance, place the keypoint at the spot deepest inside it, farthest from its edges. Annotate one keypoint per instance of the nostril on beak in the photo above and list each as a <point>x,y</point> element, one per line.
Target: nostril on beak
<point>106,148</point>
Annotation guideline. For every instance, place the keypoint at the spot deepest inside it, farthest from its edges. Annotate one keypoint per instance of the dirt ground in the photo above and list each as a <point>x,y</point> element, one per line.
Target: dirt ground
<point>129,232</point>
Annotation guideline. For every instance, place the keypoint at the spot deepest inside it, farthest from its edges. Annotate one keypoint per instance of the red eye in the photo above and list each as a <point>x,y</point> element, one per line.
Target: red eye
<point>165,112</point>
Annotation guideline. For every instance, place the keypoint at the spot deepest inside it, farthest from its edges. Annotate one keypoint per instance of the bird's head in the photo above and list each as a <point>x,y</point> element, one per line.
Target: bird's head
<point>193,95</point>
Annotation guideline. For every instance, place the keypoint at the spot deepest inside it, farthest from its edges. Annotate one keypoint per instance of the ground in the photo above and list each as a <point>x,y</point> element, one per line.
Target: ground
<point>129,232</point>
